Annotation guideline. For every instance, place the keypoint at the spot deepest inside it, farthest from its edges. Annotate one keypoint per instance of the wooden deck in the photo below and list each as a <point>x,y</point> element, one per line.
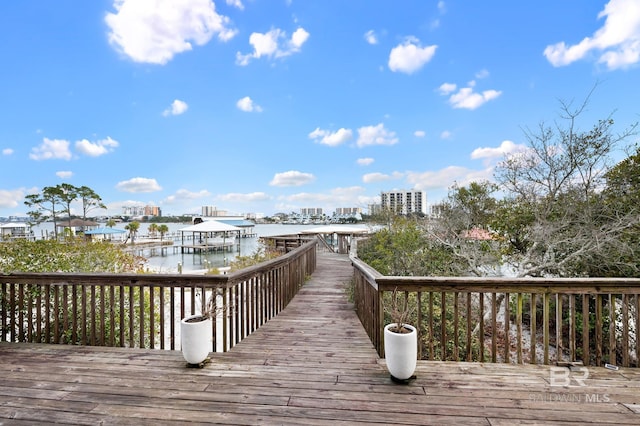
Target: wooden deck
<point>312,364</point>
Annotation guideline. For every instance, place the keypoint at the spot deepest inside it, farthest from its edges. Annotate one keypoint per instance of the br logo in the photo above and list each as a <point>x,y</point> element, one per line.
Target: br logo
<point>562,376</point>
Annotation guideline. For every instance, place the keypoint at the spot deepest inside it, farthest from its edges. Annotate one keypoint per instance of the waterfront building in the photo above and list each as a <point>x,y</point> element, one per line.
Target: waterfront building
<point>404,202</point>
<point>346,211</point>
<point>212,211</point>
<point>311,211</point>
<point>135,211</point>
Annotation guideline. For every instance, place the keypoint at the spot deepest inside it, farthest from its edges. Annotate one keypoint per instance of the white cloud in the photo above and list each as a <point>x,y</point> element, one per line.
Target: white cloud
<point>177,107</point>
<point>11,198</point>
<point>375,135</point>
<point>466,98</point>
<point>410,56</point>
<point>326,137</point>
<point>153,31</point>
<point>64,174</point>
<point>273,44</point>
<point>236,3</point>
<point>505,148</point>
<point>51,149</point>
<point>97,148</point>
<point>246,104</point>
<point>445,178</point>
<point>7,151</point>
<point>371,37</point>
<point>482,74</point>
<point>182,195</point>
<point>243,198</point>
<point>446,134</point>
<point>138,184</point>
<point>291,178</point>
<point>365,161</point>
<point>419,134</point>
<point>381,177</point>
<point>616,43</point>
<point>446,88</point>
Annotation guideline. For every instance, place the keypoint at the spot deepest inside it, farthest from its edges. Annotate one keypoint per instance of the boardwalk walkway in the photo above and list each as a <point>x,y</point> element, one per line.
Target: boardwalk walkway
<point>312,364</point>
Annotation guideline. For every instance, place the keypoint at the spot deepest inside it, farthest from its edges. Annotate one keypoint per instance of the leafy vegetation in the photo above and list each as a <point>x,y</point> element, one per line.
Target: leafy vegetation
<point>54,202</point>
<point>557,208</point>
<point>76,255</point>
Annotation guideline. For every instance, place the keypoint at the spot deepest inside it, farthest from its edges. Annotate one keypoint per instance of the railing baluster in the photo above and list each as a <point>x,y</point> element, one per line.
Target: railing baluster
<point>559,347</point>
<point>612,330</point>
<point>21,334</point>
<point>494,326</point>
<point>112,316</point>
<point>481,321</point>
<point>533,327</point>
<point>545,327</point>
<point>586,354</point>
<point>93,313</point>
<point>625,330</point>
<point>103,321</point>
<point>469,314</point>
<point>519,328</point>
<point>141,313</point>
<point>599,325</point>
<point>431,334</point>
<point>572,327</point>
<point>161,291</point>
<point>152,322</point>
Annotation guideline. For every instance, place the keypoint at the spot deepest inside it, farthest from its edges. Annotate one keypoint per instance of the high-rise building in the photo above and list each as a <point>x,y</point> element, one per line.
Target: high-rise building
<point>404,202</point>
<point>141,211</point>
<point>311,211</point>
<point>212,211</point>
<point>344,211</point>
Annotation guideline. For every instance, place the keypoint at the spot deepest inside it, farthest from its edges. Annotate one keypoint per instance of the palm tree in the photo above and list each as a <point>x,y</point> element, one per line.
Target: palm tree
<point>163,229</point>
<point>153,229</point>
<point>133,229</point>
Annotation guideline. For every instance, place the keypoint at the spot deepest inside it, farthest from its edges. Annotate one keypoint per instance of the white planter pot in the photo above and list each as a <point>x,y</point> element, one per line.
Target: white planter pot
<point>195,339</point>
<point>401,352</point>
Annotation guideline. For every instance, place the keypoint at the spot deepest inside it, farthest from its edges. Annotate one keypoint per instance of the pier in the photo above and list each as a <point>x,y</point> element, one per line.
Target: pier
<point>312,364</point>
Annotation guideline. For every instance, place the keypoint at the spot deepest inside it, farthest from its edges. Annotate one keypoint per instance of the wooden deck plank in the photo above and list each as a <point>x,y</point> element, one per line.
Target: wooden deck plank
<point>311,365</point>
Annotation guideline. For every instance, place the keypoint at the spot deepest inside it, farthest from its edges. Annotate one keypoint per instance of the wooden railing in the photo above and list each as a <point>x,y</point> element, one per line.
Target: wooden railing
<point>144,310</point>
<point>532,320</point>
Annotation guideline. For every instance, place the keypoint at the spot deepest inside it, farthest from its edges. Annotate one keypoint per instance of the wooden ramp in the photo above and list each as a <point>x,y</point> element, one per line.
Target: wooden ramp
<point>311,365</point>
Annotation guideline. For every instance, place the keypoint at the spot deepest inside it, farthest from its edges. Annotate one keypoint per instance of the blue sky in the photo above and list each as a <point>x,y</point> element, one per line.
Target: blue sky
<point>269,106</point>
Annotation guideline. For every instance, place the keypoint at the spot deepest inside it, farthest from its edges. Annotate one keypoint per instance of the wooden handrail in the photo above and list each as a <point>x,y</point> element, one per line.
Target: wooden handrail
<point>534,320</point>
<point>144,310</point>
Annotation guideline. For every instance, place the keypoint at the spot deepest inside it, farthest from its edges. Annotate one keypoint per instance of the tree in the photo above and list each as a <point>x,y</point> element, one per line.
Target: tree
<point>403,248</point>
<point>555,200</point>
<point>464,227</point>
<point>162,229</point>
<point>55,201</point>
<point>133,229</point>
<point>153,229</point>
<point>68,194</point>
<point>90,200</point>
<point>47,205</point>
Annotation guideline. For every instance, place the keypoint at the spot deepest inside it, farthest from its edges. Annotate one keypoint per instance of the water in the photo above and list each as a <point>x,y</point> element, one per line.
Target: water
<point>167,261</point>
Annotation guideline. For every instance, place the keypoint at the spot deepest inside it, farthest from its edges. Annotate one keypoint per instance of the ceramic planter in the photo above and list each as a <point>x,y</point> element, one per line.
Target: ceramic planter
<point>401,352</point>
<point>195,339</point>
